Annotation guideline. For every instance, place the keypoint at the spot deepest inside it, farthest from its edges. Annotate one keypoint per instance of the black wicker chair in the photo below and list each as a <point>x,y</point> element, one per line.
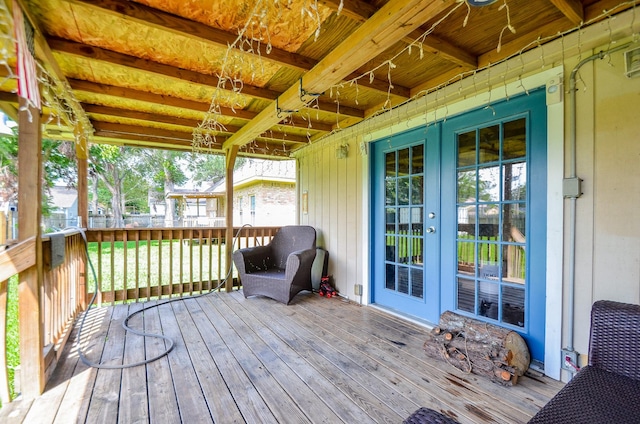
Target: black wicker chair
<point>608,389</point>
<point>281,269</point>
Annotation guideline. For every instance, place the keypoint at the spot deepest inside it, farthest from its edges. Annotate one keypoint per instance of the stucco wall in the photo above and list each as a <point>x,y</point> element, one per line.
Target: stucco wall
<point>608,160</point>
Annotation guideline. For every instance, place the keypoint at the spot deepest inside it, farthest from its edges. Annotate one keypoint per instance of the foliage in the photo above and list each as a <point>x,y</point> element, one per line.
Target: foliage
<point>8,168</point>
<point>119,173</point>
<point>211,168</point>
<point>59,163</point>
<point>13,340</point>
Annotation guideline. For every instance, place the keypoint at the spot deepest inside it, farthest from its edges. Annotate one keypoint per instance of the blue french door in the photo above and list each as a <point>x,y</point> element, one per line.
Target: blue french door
<point>406,239</point>
<point>459,218</point>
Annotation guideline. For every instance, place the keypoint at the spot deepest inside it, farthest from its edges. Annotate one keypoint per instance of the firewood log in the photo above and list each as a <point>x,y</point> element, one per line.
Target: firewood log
<point>479,347</point>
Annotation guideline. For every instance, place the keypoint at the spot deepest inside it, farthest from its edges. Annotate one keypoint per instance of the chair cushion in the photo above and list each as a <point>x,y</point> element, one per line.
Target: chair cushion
<point>594,396</point>
<point>428,416</point>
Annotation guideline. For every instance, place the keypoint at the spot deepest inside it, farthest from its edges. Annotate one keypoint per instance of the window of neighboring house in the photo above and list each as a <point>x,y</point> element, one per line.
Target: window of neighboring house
<point>240,204</point>
<point>253,209</point>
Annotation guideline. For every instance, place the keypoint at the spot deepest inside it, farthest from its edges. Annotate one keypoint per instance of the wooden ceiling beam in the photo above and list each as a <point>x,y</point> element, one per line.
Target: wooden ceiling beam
<point>266,149</point>
<point>185,122</point>
<point>144,96</point>
<point>549,29</point>
<point>121,59</point>
<point>195,30</point>
<point>141,116</point>
<point>97,53</point>
<point>442,78</point>
<point>137,140</point>
<point>360,11</point>
<point>572,9</point>
<point>126,129</point>
<point>198,31</point>
<point>392,22</point>
<point>526,41</point>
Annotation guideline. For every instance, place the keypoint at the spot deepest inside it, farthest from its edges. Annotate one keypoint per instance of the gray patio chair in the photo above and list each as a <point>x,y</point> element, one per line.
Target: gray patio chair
<point>281,269</point>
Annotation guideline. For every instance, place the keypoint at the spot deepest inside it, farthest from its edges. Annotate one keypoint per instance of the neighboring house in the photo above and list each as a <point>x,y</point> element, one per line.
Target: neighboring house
<point>197,208</point>
<point>64,207</point>
<point>264,194</point>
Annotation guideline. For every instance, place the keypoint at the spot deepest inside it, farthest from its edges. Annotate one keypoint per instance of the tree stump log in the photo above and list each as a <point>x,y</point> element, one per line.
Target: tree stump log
<point>478,347</point>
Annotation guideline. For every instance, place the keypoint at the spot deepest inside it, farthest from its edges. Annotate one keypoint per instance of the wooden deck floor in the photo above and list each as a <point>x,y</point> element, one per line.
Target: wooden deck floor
<point>255,360</point>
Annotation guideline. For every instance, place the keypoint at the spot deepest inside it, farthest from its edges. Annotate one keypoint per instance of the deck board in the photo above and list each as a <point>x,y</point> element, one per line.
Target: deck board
<point>258,361</point>
<point>163,403</point>
<point>134,377</point>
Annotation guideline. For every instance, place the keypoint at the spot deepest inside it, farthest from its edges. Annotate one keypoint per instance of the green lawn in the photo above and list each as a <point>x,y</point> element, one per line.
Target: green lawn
<point>13,342</point>
<point>158,263</point>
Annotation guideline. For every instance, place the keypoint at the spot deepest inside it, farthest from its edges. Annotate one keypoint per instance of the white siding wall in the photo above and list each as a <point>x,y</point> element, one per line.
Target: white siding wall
<point>608,221</point>
<point>335,193</point>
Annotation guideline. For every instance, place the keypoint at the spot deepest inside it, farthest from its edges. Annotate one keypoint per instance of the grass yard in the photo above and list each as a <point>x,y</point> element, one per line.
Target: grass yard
<point>13,341</point>
<point>155,263</point>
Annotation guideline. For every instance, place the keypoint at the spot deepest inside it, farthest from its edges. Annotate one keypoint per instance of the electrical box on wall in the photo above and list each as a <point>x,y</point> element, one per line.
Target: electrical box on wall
<point>572,187</point>
<point>54,256</point>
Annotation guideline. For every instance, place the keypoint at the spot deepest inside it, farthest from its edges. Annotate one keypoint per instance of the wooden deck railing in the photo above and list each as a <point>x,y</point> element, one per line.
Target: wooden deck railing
<point>63,294</point>
<point>64,257</point>
<point>134,264</point>
<point>131,264</point>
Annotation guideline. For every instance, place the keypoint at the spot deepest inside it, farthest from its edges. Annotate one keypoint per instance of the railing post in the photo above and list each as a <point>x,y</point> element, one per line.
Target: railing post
<point>83,202</point>
<point>230,163</point>
<point>3,228</point>
<point>30,280</point>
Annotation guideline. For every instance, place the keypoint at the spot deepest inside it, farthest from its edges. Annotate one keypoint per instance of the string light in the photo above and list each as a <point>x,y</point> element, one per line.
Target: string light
<point>508,26</point>
<point>254,37</point>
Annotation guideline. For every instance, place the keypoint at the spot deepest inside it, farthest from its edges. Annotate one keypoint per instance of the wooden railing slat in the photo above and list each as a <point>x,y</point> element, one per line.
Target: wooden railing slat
<point>193,249</point>
<point>18,258</point>
<point>5,394</point>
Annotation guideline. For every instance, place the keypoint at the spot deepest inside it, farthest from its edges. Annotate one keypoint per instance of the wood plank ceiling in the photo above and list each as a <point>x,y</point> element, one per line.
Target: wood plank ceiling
<point>145,72</point>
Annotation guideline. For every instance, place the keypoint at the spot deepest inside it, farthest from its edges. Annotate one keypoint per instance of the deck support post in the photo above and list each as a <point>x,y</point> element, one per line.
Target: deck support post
<point>231,155</point>
<point>82,156</point>
<point>30,281</point>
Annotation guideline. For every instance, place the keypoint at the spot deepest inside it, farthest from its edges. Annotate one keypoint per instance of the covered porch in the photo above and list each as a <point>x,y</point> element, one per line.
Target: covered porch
<point>256,360</point>
<point>317,360</point>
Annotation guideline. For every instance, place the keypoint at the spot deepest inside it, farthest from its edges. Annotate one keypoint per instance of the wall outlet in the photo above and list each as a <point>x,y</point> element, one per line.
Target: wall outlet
<point>569,360</point>
<point>357,289</point>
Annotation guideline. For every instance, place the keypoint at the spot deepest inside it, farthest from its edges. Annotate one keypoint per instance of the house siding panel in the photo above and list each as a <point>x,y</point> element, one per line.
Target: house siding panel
<point>334,189</point>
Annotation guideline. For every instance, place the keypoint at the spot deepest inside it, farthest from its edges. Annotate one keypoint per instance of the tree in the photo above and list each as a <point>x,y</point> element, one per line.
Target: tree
<point>211,168</point>
<point>58,160</point>
<point>166,172</point>
<point>8,169</point>
<point>113,165</point>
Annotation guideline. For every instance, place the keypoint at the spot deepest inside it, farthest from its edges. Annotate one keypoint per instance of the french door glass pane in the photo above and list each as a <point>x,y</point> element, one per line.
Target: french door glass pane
<point>514,181</point>
<point>417,159</point>
<point>467,149</point>
<point>404,220</point>
<point>466,295</point>
<point>489,144</point>
<point>515,140</point>
<point>467,186</point>
<point>492,208</point>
